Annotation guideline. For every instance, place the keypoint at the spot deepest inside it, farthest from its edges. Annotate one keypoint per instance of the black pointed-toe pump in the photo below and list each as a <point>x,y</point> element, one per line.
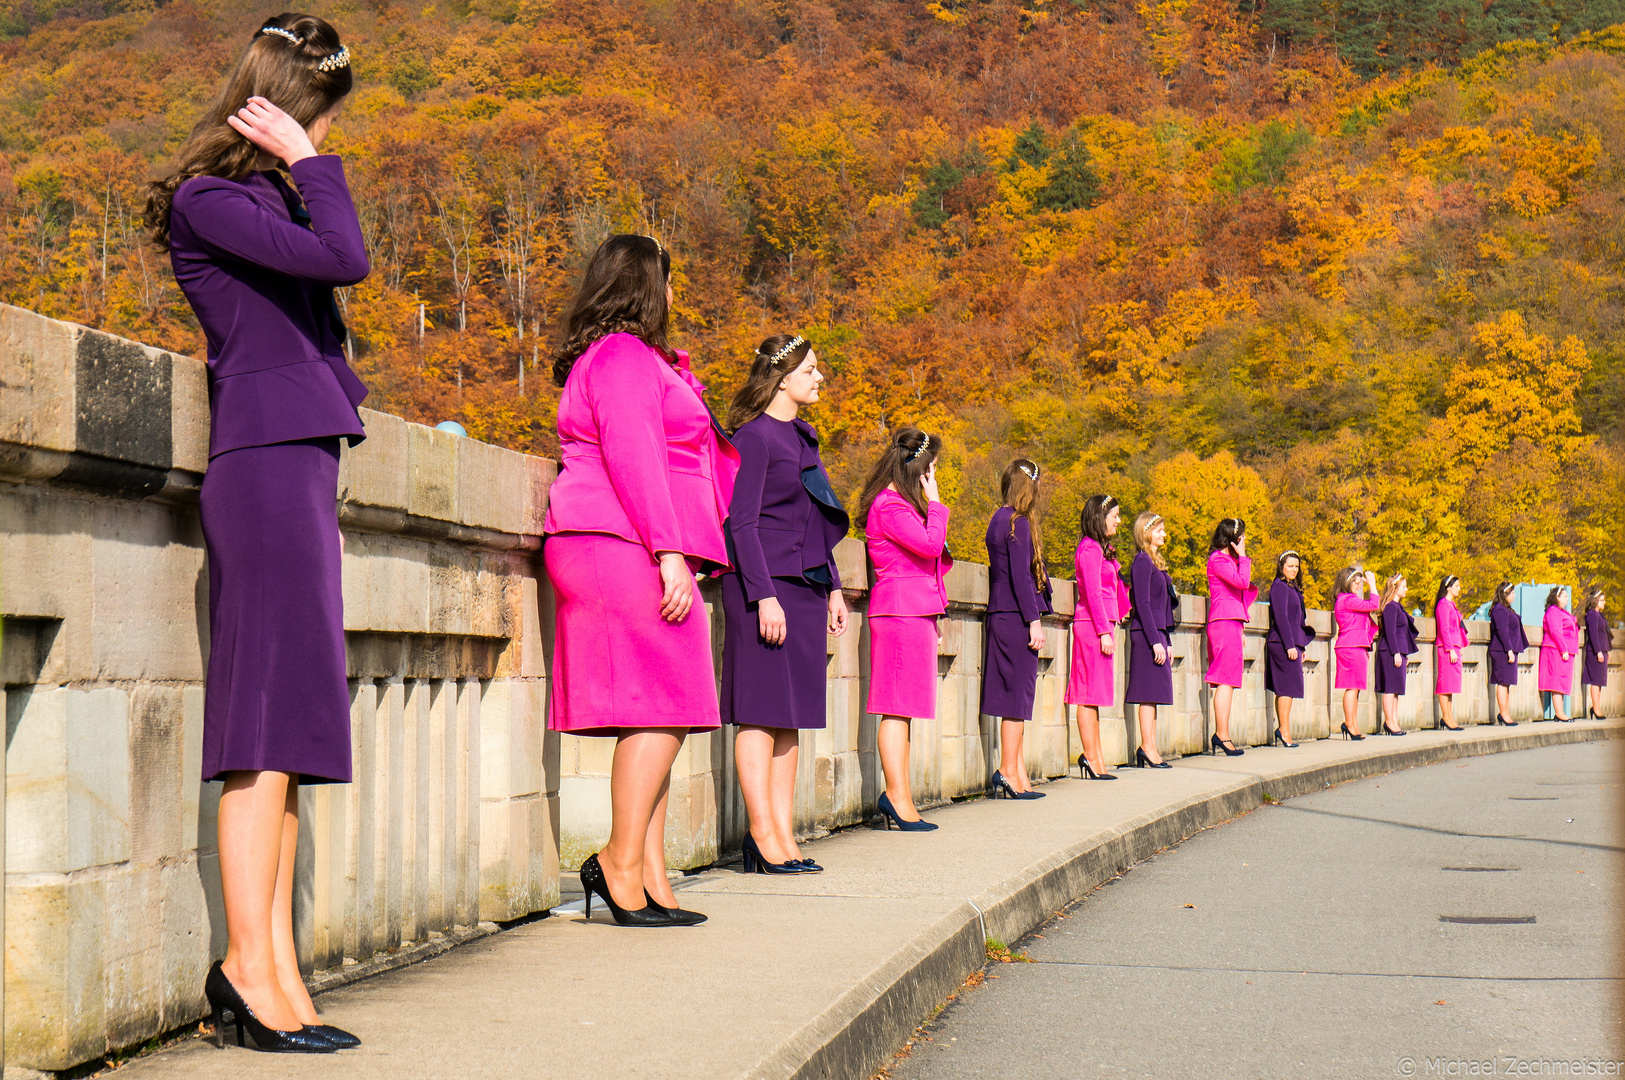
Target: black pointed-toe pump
<point>252,1033</point>
<point>1228,748</point>
<point>593,881</point>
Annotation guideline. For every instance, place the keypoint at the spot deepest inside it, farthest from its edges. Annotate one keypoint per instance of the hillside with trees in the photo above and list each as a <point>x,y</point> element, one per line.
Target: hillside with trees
<point>1349,270</point>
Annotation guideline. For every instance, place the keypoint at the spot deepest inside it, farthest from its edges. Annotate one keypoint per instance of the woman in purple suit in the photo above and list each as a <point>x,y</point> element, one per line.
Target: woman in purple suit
<point>1396,640</point>
<point>784,521</point>
<point>1507,640</point>
<point>1230,592</point>
<point>1017,600</point>
<point>1599,642</point>
<point>258,259</point>
<point>1289,636</point>
<point>1153,607</point>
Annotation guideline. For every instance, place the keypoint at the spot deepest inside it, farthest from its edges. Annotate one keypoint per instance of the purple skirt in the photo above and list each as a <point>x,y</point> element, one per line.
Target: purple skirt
<point>1283,676</point>
<point>1224,649</point>
<point>277,696</point>
<point>1149,683</point>
<point>1010,672</point>
<point>1594,672</point>
<point>1503,672</point>
<point>903,666</point>
<point>776,686</point>
<point>1391,679</point>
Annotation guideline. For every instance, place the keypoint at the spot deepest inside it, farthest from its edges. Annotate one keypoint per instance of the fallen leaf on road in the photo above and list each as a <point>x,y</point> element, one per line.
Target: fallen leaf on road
<point>1190,905</point>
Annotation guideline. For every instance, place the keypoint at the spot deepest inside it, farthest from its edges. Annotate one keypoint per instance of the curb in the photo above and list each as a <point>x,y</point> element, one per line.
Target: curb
<point>855,1036</point>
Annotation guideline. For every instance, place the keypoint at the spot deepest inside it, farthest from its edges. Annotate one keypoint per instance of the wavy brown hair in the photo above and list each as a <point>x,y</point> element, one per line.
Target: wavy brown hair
<point>1280,569</point>
<point>1390,590</point>
<point>1018,487</point>
<point>903,464</point>
<point>622,292</point>
<point>1092,522</point>
<point>285,73</point>
<point>1503,593</point>
<point>1143,525</point>
<point>1346,578</point>
<point>762,384</point>
<point>1594,594</point>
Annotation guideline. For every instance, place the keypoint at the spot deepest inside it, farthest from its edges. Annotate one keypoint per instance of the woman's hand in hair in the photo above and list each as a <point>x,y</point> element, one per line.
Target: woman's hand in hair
<point>1238,546</point>
<point>770,620</point>
<point>273,131</point>
<point>928,484</point>
<point>676,586</point>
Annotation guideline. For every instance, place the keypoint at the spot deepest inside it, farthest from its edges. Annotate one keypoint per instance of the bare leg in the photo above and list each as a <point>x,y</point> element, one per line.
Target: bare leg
<point>1012,759</point>
<point>1502,694</point>
<point>638,779</point>
<point>1560,705</point>
<point>892,741</point>
<point>1596,701</point>
<point>1351,710</point>
<point>252,820</point>
<point>1447,710</point>
<point>655,882</point>
<point>1390,706</point>
<point>1221,711</point>
<point>287,956</point>
<point>1148,733</point>
<point>1283,716</point>
<point>753,756</point>
<point>786,755</point>
<point>1089,735</point>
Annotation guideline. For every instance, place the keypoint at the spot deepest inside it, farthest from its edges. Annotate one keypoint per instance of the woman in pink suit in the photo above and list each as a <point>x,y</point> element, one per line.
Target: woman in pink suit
<point>645,476</point>
<point>1230,592</point>
<point>1449,639</point>
<point>906,527</point>
<point>1599,642</point>
<point>1354,611</point>
<point>1102,601</point>
<point>1559,642</point>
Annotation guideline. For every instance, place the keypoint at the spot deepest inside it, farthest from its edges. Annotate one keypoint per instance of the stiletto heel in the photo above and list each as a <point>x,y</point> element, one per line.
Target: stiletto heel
<point>1281,740</point>
<point>756,863</point>
<point>1228,748</point>
<point>1143,760</point>
<point>1504,722</point>
<point>593,881</point>
<point>892,817</point>
<point>1089,773</point>
<point>223,998</point>
<point>1347,734</point>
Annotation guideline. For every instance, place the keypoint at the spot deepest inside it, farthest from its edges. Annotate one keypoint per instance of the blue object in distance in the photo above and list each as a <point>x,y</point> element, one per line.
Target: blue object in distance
<point>452,426</point>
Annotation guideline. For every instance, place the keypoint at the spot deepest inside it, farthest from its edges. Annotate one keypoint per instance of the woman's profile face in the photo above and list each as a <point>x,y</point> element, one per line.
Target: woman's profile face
<point>1404,587</point>
<point>1453,592</point>
<point>802,384</point>
<point>1158,535</point>
<point>1602,601</point>
<point>1114,518</point>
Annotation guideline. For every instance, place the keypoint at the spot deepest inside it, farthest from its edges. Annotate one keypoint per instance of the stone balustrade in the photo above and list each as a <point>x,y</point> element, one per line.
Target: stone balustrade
<point>464,810</point>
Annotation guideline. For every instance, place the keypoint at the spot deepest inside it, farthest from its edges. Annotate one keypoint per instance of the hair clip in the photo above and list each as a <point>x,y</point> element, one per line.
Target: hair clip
<point>1032,471</point>
<point>281,33</point>
<point>337,60</point>
<point>658,245</point>
<point>920,449</point>
<point>786,349</point>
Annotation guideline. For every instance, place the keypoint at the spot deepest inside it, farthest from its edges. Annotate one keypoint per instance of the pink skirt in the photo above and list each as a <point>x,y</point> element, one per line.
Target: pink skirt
<point>1352,665</point>
<point>1224,646</point>
<point>616,662</point>
<point>903,666</point>
<point>1093,680</point>
<point>1556,674</point>
<point>1447,673</point>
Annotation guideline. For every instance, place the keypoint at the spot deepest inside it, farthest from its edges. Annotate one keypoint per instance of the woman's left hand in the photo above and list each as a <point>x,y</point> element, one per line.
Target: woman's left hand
<point>1399,660</point>
<point>676,586</point>
<point>1455,657</point>
<point>837,613</point>
<point>272,131</point>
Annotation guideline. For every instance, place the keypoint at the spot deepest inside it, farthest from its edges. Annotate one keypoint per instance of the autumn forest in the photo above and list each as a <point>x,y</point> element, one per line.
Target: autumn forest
<point>1350,271</point>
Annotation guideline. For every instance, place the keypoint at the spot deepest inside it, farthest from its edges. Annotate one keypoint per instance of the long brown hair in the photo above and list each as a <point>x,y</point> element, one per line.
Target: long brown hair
<point>1092,522</point>
<point>1280,569</point>
<point>1593,594</point>
<point>775,358</point>
<point>1143,525</point>
<point>1555,597</point>
<point>904,462</point>
<point>1346,578</point>
<point>1018,487</point>
<point>622,292</point>
<point>1390,590</point>
<point>1503,593</point>
<point>291,74</point>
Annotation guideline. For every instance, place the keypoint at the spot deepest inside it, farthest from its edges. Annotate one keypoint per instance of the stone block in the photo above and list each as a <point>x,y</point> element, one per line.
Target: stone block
<point>132,959</point>
<point>186,934</point>
<point>45,548</point>
<point>54,990</point>
<point>189,416</point>
<point>37,358</point>
<point>386,584</point>
<point>375,471</point>
<point>852,560</point>
<point>67,779</point>
<point>584,819</point>
<point>539,476</point>
<point>431,459</point>
<point>122,401</point>
<point>492,487</point>
<point>967,583</point>
<point>149,591</point>
<point>157,734</point>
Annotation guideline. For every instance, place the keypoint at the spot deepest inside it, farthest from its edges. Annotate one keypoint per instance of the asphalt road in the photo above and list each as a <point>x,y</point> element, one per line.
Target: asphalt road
<point>1317,938</point>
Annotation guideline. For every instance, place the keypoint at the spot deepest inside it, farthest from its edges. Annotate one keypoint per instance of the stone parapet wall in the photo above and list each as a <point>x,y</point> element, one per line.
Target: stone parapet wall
<point>463,808</point>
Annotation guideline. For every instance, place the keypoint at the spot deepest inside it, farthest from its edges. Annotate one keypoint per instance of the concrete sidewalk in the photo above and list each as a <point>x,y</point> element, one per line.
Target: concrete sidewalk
<point>812,976</point>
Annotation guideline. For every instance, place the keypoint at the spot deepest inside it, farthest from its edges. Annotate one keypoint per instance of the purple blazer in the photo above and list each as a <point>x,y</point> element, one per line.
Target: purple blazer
<point>1151,601</point>
<point>1594,672</point>
<point>261,282</point>
<point>1010,582</point>
<point>1506,636</point>
<point>1398,631</point>
<point>1287,626</point>
<point>784,519</point>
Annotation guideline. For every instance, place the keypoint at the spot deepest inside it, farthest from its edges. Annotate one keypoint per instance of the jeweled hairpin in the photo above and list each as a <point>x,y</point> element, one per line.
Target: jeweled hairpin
<point>337,60</point>
<point>1031,470</point>
<point>280,32</point>
<point>920,449</point>
<point>788,348</point>
<point>661,247</point>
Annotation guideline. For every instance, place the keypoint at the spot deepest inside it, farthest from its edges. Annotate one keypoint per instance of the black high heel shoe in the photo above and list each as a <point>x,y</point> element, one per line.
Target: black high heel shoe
<point>1000,787</point>
<point>677,915</point>
<point>755,863</point>
<point>1449,727</point>
<point>1347,734</point>
<point>251,1033</point>
<point>1090,774</point>
<point>1504,722</point>
<point>341,1039</point>
<point>1386,730</point>
<point>812,867</point>
<point>1143,760</point>
<point>593,881</point>
<point>893,818</point>
<point>1228,748</point>
<point>1281,740</point>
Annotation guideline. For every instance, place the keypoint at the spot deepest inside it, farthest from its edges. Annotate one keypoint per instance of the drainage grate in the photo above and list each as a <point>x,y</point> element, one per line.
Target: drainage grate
<point>1480,869</point>
<point>1532,798</point>
<point>1488,920</point>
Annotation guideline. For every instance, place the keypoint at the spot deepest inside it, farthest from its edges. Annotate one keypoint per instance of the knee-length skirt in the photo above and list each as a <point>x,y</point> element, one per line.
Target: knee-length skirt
<point>1391,676</point>
<point>616,663</point>
<point>1594,672</point>
<point>1224,650</point>
<point>1093,679</point>
<point>277,697</point>
<point>1283,676</point>
<point>1447,672</point>
<point>1556,674</point>
<point>1352,664</point>
<point>1010,671</point>
<point>1149,683</point>
<point>775,686</point>
<point>1503,672</point>
<point>903,666</point>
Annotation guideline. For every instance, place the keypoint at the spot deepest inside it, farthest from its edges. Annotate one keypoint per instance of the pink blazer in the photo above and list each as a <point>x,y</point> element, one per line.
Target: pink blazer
<point>1559,632</point>
<point>1102,597</point>
<point>1355,628</point>
<point>1448,629</point>
<point>640,456</point>
<point>910,556</point>
<point>1230,588</point>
